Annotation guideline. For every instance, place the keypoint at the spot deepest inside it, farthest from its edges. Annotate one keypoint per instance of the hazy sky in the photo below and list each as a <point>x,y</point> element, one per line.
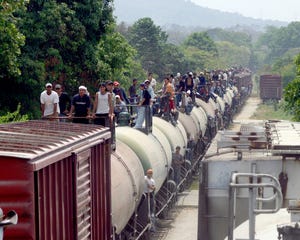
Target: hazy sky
<point>284,10</point>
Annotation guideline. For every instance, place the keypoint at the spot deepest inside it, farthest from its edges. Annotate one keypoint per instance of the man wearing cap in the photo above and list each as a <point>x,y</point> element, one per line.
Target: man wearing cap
<point>81,104</point>
<point>189,82</point>
<point>120,107</point>
<point>188,102</point>
<point>49,103</point>
<point>64,102</point>
<point>109,88</point>
<point>120,91</point>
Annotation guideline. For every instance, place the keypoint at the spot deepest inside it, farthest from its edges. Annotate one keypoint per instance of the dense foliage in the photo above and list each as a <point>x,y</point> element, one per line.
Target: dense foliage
<point>62,38</point>
<point>13,116</point>
<point>149,40</point>
<point>11,39</point>
<point>77,42</point>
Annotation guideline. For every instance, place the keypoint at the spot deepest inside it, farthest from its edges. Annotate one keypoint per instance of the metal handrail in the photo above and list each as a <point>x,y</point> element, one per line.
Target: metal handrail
<point>233,185</point>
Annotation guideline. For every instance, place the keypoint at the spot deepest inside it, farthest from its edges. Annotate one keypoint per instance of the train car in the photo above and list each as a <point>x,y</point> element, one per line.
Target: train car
<point>249,171</point>
<point>56,176</point>
<point>243,85</point>
<point>270,87</point>
<point>153,146</point>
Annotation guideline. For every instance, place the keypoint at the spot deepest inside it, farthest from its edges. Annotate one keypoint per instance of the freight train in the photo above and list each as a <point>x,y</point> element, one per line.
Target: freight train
<point>65,181</point>
<point>152,147</point>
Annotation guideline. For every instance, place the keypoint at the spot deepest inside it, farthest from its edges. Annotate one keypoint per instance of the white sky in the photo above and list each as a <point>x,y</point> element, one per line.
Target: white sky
<point>284,10</point>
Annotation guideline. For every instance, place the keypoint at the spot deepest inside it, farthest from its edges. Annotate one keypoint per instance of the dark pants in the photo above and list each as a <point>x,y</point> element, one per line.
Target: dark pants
<point>102,119</point>
<point>82,119</point>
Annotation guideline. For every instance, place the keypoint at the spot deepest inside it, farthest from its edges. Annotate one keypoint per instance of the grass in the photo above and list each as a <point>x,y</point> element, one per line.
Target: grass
<point>271,110</point>
<point>195,184</point>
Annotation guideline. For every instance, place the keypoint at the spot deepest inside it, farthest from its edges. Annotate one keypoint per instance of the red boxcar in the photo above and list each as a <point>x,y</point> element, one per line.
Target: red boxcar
<point>270,87</point>
<point>56,176</point>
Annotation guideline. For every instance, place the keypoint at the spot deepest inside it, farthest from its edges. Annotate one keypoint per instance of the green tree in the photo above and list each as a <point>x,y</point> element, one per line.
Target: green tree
<point>276,42</point>
<point>292,98</point>
<point>115,57</point>
<point>15,116</point>
<point>232,55</point>
<point>10,39</point>
<point>292,93</point>
<point>149,41</point>
<point>173,59</point>
<point>201,41</point>
<point>61,41</point>
<point>234,37</point>
<point>198,60</point>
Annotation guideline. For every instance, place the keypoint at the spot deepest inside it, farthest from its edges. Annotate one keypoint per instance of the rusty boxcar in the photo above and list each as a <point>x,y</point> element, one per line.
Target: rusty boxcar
<point>56,176</point>
<point>270,87</point>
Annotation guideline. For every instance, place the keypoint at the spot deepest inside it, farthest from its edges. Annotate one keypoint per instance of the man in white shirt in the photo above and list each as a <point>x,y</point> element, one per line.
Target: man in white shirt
<point>152,80</point>
<point>149,182</point>
<point>49,103</point>
<point>149,190</point>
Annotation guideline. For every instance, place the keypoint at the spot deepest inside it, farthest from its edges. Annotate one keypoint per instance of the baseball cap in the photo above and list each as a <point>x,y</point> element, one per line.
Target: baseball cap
<point>82,87</point>
<point>48,85</point>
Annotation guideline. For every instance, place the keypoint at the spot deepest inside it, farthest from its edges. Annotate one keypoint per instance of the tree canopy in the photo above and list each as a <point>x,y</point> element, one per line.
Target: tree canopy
<point>11,39</point>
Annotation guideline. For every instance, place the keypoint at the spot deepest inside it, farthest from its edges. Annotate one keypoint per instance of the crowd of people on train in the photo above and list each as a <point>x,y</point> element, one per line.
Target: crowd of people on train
<point>177,93</point>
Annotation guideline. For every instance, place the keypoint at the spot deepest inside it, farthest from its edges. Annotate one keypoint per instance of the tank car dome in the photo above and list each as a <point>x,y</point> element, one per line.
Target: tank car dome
<point>199,115</point>
<point>148,149</point>
<point>213,104</point>
<point>190,125</point>
<point>230,95</point>
<point>227,98</point>
<point>176,135</point>
<point>220,103</point>
<point>208,108</point>
<point>165,145</point>
<point>127,180</point>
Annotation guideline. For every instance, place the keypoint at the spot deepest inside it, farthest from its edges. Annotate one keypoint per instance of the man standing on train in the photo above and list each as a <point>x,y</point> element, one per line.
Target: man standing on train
<point>144,102</point>
<point>49,103</point>
<point>149,191</point>
<point>81,104</point>
<point>177,161</point>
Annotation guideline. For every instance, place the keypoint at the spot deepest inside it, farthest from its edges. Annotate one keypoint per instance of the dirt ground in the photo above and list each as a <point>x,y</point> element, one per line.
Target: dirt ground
<point>246,112</point>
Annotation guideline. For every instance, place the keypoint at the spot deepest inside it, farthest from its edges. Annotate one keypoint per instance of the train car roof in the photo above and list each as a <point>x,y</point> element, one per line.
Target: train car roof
<point>35,139</point>
<point>259,140</point>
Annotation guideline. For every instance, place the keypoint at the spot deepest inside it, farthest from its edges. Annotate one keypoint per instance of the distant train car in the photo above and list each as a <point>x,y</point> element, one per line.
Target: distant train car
<point>270,87</point>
